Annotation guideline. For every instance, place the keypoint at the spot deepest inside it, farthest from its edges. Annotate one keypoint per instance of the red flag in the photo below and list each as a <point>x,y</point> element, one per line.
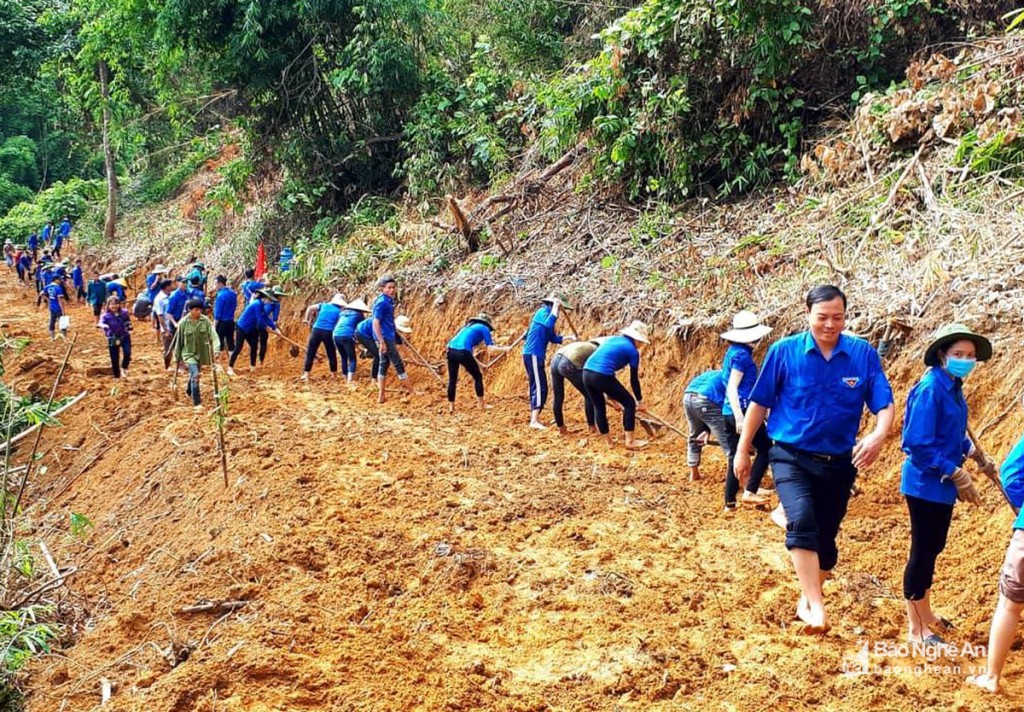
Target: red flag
<point>261,261</point>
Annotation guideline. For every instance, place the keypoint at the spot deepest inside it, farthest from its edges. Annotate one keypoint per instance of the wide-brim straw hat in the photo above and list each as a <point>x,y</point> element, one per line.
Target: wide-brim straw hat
<point>951,333</point>
<point>746,328</point>
<point>482,318</point>
<point>638,331</point>
<point>358,305</point>
<point>404,324</point>
<point>160,268</point>
<point>338,299</point>
<point>269,295</point>
<point>561,301</point>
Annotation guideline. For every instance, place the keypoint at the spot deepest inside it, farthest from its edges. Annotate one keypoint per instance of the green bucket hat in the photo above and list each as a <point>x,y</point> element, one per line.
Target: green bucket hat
<point>269,294</point>
<point>951,333</point>
<point>563,303</point>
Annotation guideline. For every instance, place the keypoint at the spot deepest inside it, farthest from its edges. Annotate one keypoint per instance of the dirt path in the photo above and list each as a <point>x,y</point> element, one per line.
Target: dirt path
<point>396,558</point>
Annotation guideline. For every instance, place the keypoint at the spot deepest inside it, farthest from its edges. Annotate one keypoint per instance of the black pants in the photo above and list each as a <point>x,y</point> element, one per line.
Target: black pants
<point>371,348</point>
<point>929,525</point>
<point>346,346</point>
<point>263,337</point>
<point>464,358</point>
<point>600,385</point>
<point>814,492</point>
<point>317,337</point>
<point>54,317</point>
<point>245,337</point>
<point>116,350</point>
<point>762,444</point>
<point>562,370</point>
<point>226,333</point>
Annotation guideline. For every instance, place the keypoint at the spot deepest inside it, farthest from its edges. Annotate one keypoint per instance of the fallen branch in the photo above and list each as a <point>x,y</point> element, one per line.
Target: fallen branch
<point>211,606</point>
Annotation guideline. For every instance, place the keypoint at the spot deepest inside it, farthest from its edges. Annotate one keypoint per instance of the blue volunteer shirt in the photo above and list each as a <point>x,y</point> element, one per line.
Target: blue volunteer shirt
<point>195,293</point>
<point>254,318</point>
<point>384,311</point>
<point>470,336</point>
<point>708,384</point>
<point>816,405</point>
<point>347,323</point>
<point>65,229</point>
<point>33,241</point>
<point>1012,475</point>
<point>327,317</point>
<point>248,287</point>
<point>151,279</point>
<point>614,354</point>
<point>113,288</point>
<point>76,277</point>
<point>541,333</point>
<point>176,304</point>
<point>272,311</point>
<point>47,231</point>
<point>739,357</point>
<point>365,328</point>
<point>54,292</point>
<point>225,304</point>
<point>934,437</point>
<point>46,276</point>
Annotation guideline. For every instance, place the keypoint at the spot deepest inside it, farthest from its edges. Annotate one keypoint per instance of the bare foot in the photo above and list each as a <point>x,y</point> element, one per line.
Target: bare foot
<point>537,425</point>
<point>563,431</point>
<point>694,474</point>
<point>779,516</point>
<point>636,445</point>
<point>813,617</point>
<point>987,682</point>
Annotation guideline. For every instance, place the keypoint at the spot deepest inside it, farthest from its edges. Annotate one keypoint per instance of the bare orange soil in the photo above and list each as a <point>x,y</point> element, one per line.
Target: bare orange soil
<point>397,558</point>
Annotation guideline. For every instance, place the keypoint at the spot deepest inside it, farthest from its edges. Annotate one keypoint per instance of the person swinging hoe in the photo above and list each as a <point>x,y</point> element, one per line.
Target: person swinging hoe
<point>816,385</point>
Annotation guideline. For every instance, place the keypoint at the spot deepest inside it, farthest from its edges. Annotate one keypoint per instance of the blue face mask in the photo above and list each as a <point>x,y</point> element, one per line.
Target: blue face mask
<point>960,367</point>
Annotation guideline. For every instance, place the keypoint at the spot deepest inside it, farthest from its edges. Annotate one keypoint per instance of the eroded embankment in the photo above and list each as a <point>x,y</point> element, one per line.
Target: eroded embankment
<point>396,558</point>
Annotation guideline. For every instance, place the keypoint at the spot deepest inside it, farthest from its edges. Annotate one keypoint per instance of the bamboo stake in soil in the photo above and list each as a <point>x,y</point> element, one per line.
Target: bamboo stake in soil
<point>218,413</point>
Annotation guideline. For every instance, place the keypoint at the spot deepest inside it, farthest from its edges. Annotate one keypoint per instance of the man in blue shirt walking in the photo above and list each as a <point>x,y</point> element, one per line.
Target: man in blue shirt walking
<point>385,336</point>
<point>535,349</point>
<point>816,385</point>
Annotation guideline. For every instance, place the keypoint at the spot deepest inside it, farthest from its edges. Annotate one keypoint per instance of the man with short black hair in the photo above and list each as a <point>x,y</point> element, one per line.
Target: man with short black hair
<point>196,347</point>
<point>816,384</point>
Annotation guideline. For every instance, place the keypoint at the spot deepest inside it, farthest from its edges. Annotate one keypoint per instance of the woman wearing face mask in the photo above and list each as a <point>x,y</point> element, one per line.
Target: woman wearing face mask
<point>936,444</point>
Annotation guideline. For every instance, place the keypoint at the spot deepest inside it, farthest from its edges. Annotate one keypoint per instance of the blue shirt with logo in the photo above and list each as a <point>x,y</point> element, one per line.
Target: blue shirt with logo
<point>470,336</point>
<point>739,357</point>
<point>541,333</point>
<point>816,404</point>
<point>934,437</point>
<point>54,293</point>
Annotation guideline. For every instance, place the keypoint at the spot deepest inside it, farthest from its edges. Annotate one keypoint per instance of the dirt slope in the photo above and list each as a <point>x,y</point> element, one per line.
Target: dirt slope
<point>396,558</point>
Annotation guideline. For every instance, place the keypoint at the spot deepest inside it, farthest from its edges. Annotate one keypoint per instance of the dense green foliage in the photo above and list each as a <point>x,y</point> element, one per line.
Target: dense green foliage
<point>424,97</point>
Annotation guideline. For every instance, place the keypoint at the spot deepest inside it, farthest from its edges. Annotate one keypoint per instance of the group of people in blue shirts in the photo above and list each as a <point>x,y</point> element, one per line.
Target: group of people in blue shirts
<point>800,415</point>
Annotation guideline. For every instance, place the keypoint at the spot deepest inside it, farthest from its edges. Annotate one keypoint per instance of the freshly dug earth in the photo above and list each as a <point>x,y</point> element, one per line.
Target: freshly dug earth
<point>394,557</point>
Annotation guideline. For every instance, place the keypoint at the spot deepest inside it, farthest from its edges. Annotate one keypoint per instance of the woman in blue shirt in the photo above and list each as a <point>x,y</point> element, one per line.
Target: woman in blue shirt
<point>599,372</point>
<point>344,335</point>
<point>326,317</point>
<point>460,353</point>
<point>739,374</point>
<point>254,319</point>
<point>936,444</point>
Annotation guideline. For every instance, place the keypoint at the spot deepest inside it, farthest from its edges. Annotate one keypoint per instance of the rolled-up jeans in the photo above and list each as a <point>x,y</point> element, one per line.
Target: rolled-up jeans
<point>192,388</point>
<point>703,416</point>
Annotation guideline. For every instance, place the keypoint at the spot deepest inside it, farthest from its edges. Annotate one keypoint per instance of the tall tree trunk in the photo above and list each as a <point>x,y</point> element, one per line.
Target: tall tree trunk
<point>108,155</point>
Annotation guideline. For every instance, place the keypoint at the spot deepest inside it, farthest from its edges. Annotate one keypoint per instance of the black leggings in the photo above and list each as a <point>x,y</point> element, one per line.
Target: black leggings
<point>464,358</point>
<point>562,370</point>
<point>371,348</point>
<point>243,337</point>
<point>263,337</point>
<point>929,525</point>
<point>600,385</point>
<point>317,337</point>
<point>346,347</point>
<point>762,444</point>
